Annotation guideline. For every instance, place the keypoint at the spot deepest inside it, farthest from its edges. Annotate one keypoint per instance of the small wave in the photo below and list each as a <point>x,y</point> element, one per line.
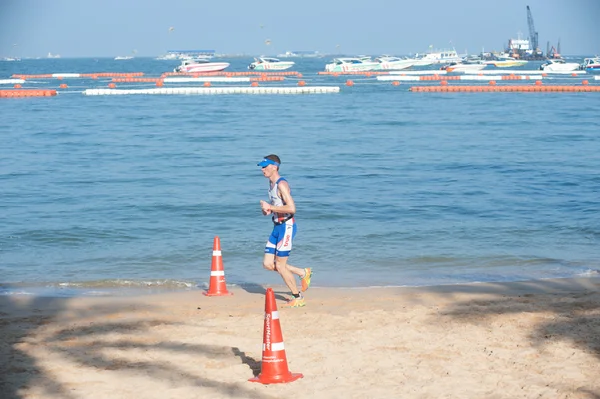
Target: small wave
<point>589,273</point>
<point>121,283</point>
<point>113,287</point>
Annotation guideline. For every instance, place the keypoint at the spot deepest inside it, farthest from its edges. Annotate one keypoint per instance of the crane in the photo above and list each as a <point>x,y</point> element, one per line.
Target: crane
<point>533,35</point>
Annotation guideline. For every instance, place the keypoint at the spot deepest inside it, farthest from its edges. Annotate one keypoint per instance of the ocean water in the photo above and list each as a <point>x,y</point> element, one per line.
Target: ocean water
<point>109,194</point>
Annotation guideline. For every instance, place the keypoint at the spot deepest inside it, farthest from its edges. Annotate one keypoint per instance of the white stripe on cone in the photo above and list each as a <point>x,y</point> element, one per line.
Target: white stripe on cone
<point>217,273</point>
<point>275,346</point>
<point>216,253</point>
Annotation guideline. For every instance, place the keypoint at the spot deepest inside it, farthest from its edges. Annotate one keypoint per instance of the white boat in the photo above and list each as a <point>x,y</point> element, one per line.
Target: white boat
<point>123,57</point>
<point>463,66</point>
<point>559,65</point>
<point>11,59</point>
<point>168,57</point>
<point>300,54</point>
<point>270,64</point>
<point>388,63</point>
<point>288,54</point>
<point>591,64</point>
<point>437,57</point>
<point>187,55</point>
<point>506,61</point>
<point>351,65</point>
<point>200,66</point>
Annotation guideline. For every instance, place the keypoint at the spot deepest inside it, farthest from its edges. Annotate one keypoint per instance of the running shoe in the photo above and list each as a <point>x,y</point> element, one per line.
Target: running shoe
<point>306,279</point>
<point>295,303</point>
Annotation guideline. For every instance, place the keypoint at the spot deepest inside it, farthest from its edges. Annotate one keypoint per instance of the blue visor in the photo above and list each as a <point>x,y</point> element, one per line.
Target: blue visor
<point>266,162</point>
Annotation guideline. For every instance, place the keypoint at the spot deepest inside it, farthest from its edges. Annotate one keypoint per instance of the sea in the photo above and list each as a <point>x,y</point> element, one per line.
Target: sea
<point>117,195</point>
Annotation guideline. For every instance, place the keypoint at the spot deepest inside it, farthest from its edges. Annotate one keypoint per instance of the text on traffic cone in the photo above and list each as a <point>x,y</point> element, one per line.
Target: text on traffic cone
<point>274,367</point>
<point>217,284</point>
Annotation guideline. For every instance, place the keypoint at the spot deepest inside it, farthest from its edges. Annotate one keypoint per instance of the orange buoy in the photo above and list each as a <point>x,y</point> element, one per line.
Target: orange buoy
<point>112,85</point>
<point>301,83</point>
<point>17,86</point>
<point>349,83</point>
<point>538,82</point>
<point>63,86</point>
<point>396,83</point>
<point>206,84</point>
<point>27,93</point>
<point>492,83</point>
<point>159,83</point>
<point>585,82</point>
<point>444,83</point>
<point>254,84</point>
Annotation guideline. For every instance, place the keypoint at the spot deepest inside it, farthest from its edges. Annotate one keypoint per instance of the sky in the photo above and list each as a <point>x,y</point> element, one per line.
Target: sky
<point>107,28</point>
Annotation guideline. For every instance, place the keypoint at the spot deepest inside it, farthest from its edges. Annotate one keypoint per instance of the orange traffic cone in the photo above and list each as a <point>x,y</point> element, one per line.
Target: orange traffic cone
<point>217,285</point>
<point>274,368</point>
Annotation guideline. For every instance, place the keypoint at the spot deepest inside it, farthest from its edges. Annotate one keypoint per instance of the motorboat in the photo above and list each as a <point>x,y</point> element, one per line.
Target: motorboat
<point>437,57</point>
<point>590,64</point>
<point>349,64</point>
<point>506,61</point>
<point>559,65</point>
<point>187,55</point>
<point>387,63</point>
<point>123,57</point>
<point>288,54</point>
<point>463,66</point>
<point>200,65</point>
<point>270,64</point>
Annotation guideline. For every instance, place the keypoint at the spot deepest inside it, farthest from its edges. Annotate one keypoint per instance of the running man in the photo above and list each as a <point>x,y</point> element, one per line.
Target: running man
<point>282,208</point>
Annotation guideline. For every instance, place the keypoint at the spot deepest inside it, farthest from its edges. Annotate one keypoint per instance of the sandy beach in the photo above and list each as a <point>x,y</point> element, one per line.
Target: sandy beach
<point>515,340</point>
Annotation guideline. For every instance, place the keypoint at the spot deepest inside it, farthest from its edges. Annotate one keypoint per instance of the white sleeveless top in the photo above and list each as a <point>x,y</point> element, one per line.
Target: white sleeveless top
<point>276,200</point>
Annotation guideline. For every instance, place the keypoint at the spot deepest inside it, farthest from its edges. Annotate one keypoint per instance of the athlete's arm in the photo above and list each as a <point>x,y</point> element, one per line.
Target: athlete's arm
<point>265,207</point>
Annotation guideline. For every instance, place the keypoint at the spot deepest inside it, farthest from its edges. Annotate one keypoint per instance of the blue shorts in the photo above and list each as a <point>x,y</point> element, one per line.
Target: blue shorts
<point>280,240</point>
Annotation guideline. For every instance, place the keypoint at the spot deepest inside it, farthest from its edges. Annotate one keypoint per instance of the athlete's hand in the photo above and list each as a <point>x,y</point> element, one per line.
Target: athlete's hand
<point>266,207</point>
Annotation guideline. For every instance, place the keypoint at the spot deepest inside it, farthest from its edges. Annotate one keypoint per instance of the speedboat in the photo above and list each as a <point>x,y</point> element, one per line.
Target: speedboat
<point>351,65</point>
<point>559,65</point>
<point>506,61</point>
<point>591,64</point>
<point>463,66</point>
<point>270,64</point>
<point>123,57</point>
<point>288,54</point>
<point>387,63</point>
<point>200,65</point>
<point>437,57</point>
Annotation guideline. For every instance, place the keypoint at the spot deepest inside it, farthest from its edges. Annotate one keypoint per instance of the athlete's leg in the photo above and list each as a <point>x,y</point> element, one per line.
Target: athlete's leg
<point>270,249</point>
<point>296,270</point>
<point>284,270</point>
<point>269,262</point>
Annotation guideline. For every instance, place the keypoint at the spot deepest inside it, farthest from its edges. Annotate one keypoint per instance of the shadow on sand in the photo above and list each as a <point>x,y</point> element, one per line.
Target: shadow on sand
<point>573,304</point>
<point>252,288</point>
<point>24,327</point>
